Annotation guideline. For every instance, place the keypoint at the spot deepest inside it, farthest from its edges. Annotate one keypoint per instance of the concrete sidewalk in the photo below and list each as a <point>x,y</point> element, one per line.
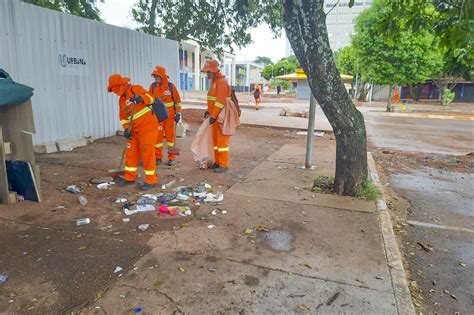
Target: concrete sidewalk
<point>270,117</point>
<point>303,252</point>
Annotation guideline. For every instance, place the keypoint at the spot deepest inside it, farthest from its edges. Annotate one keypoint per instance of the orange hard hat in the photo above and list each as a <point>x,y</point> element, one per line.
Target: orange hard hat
<point>115,80</point>
<point>211,66</point>
<point>160,71</point>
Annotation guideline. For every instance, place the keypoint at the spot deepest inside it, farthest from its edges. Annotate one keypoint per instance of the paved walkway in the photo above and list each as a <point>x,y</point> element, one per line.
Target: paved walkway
<point>269,115</point>
<point>302,252</point>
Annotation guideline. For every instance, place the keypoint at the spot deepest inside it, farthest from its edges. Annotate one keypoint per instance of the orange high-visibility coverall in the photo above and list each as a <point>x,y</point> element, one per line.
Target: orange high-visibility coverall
<point>144,134</point>
<point>396,96</point>
<point>167,127</point>
<point>216,101</point>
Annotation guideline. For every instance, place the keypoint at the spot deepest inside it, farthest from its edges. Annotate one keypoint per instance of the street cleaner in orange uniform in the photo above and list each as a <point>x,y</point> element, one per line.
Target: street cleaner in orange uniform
<point>142,133</point>
<point>169,95</point>
<point>216,102</point>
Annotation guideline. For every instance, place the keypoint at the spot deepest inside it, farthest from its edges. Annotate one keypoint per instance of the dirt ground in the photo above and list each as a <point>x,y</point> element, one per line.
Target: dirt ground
<point>433,280</point>
<point>56,267</point>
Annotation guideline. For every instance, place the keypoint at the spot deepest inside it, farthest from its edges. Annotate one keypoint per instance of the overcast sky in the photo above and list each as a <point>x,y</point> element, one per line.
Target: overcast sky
<point>117,12</point>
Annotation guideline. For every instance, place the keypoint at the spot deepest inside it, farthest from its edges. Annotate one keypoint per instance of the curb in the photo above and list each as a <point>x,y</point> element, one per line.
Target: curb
<point>330,132</point>
<point>394,258</point>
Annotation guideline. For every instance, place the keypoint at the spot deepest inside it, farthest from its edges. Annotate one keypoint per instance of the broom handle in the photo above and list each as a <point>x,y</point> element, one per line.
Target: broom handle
<point>130,127</point>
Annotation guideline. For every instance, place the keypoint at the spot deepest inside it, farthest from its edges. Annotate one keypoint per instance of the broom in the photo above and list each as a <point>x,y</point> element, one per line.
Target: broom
<point>116,172</point>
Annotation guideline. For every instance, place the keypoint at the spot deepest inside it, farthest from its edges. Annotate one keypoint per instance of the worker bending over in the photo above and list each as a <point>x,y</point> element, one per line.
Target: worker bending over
<point>141,130</point>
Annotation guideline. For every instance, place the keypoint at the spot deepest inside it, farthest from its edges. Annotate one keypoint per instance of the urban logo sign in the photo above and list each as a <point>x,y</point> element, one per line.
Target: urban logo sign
<point>65,60</point>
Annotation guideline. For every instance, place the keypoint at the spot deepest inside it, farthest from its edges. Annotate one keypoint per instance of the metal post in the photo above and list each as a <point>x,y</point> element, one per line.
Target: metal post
<point>310,136</point>
<point>370,94</point>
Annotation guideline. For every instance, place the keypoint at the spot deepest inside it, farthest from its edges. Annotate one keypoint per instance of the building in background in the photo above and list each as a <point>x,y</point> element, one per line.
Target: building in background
<point>247,74</point>
<point>299,81</point>
<point>191,60</point>
<point>340,22</point>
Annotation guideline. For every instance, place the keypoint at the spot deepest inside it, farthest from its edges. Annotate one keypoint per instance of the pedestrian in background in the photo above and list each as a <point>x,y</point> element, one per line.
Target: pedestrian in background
<point>257,94</point>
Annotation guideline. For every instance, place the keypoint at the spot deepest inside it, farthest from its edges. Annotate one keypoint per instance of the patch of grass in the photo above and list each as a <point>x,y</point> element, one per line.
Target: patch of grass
<point>369,191</point>
<point>323,184</point>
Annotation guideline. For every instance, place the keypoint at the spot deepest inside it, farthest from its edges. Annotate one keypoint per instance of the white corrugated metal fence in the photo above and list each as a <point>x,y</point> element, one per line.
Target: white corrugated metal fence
<point>68,59</point>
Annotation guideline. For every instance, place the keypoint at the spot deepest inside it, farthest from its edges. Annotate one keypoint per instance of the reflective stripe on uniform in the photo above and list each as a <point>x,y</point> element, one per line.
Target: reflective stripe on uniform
<point>169,104</point>
<point>170,144</point>
<point>211,98</point>
<point>125,121</point>
<point>223,149</point>
<point>152,172</point>
<point>215,148</point>
<point>159,145</point>
<point>140,113</point>
<point>219,105</point>
<point>131,169</point>
<point>150,97</point>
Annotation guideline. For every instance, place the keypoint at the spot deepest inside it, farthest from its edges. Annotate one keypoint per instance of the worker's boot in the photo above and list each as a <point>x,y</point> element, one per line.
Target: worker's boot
<point>145,186</point>
<point>214,166</point>
<point>221,170</point>
<point>158,161</point>
<point>123,182</point>
<point>171,162</point>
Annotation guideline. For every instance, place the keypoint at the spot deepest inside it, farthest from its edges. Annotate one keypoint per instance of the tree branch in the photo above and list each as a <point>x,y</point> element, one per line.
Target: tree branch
<point>335,5</point>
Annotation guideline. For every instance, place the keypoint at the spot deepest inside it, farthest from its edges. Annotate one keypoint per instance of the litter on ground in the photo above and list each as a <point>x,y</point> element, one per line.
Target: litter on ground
<point>143,227</point>
<point>3,278</point>
<point>166,186</point>
<point>83,221</point>
<point>118,269</point>
<point>105,185</point>
<point>82,200</point>
<point>73,189</point>
<point>210,197</point>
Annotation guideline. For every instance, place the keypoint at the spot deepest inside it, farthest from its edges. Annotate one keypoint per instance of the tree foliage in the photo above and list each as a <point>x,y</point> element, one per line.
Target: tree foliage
<point>263,60</point>
<point>450,20</point>
<point>347,61</point>
<point>84,8</point>
<point>283,66</point>
<point>412,58</point>
<point>214,24</point>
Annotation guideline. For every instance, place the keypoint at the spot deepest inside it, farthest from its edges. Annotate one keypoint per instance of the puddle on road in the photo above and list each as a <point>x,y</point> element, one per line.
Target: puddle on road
<point>279,240</point>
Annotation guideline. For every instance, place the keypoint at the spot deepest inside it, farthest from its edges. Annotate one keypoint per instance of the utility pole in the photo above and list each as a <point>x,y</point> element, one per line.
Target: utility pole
<point>310,136</point>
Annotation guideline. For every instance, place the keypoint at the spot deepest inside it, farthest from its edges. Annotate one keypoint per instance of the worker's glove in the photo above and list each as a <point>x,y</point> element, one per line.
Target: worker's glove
<point>127,133</point>
<point>137,99</point>
<point>177,118</point>
<point>206,114</point>
<point>212,120</point>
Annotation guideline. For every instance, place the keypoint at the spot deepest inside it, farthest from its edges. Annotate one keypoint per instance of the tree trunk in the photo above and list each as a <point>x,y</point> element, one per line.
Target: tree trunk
<point>305,26</point>
<point>390,95</point>
<point>415,91</point>
<point>152,19</point>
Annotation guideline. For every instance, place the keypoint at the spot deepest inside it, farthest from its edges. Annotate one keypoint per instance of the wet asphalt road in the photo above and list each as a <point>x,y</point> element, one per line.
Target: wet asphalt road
<point>439,240</point>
